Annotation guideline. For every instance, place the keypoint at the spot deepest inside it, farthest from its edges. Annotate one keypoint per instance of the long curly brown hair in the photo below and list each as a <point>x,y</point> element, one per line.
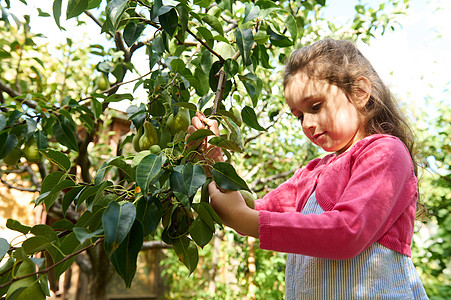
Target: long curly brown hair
<point>339,62</point>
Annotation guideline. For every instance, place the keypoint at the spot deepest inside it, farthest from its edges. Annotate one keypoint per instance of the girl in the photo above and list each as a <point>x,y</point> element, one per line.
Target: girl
<point>346,219</point>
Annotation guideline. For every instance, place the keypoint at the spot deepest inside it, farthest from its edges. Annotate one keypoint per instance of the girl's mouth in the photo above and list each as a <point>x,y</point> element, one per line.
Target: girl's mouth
<point>318,135</point>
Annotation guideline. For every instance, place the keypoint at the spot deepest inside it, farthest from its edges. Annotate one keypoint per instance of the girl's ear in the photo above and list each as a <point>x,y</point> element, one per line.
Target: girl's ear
<point>362,92</point>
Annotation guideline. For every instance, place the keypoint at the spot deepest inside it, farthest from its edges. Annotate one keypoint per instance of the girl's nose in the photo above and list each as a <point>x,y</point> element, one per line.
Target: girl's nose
<point>308,122</point>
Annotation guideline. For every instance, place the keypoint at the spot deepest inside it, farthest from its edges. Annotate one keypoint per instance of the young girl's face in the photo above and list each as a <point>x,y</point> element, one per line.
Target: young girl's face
<point>327,116</point>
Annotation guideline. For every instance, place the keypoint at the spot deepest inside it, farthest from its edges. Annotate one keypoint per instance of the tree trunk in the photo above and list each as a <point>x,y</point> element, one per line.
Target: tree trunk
<point>101,273</point>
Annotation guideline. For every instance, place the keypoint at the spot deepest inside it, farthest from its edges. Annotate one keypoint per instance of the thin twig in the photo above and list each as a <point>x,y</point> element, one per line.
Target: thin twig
<point>22,189</point>
<point>221,59</point>
<point>220,91</point>
<point>116,86</point>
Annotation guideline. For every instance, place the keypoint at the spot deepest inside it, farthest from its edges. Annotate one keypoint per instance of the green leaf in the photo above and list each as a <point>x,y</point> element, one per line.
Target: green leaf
<point>69,244</point>
<point>87,122</point>
<point>71,196</point>
<point>277,39</point>
<point>2,121</point>
<point>58,158</point>
<point>147,171</point>
<point>213,22</point>
<point>202,209</point>
<point>63,224</point>
<point>118,97</point>
<point>193,178</point>
<point>46,231</point>
<point>90,192</point>
<point>94,4</point>
<point>41,139</point>
<point>183,17</point>
<point>96,108</point>
<point>6,271</point>
<point>204,214</point>
<point>186,250</point>
<point>4,247</point>
<point>17,226</point>
<point>51,180</point>
<point>125,257</point>
<point>189,105</point>
<point>250,12</point>
<point>250,118</point>
<point>7,144</point>
<point>206,33</point>
<point>290,23</point>
<point>83,234</point>
<point>50,197</point>
<point>199,135</point>
<point>65,135</point>
<point>75,8</point>
<point>225,176</point>
<point>117,220</point>
<point>35,244</point>
<point>118,162</point>
<point>42,13</point>
<point>244,41</point>
<point>200,232</point>
<point>224,143</point>
<point>44,283</point>
<point>168,20</point>
<point>177,65</point>
<point>149,211</point>
<point>114,10</point>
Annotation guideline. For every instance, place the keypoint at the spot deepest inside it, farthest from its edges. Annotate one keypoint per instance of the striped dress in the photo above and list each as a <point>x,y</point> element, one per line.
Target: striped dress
<point>376,273</point>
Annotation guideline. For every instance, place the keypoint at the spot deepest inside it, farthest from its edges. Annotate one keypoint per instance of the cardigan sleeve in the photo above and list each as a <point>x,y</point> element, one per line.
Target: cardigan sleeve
<point>281,199</point>
<point>285,197</point>
<point>380,188</point>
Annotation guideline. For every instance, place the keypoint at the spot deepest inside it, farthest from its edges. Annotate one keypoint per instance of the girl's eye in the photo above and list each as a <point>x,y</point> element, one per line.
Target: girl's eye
<point>301,117</point>
<point>316,107</point>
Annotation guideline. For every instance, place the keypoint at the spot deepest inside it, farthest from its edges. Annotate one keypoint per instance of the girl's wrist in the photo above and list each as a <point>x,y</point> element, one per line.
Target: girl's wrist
<point>245,221</point>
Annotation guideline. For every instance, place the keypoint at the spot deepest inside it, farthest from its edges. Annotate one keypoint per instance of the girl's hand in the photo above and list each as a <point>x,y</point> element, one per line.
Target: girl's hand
<point>210,153</point>
<point>233,211</point>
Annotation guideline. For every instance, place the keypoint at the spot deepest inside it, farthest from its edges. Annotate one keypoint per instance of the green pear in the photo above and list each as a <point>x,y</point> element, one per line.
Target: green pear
<point>155,149</point>
<point>31,152</point>
<point>135,140</point>
<point>149,137</point>
<point>180,121</point>
<point>102,82</point>
<point>248,197</point>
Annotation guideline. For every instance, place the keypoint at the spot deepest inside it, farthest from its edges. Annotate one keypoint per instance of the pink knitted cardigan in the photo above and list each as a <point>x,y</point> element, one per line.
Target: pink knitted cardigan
<point>368,193</point>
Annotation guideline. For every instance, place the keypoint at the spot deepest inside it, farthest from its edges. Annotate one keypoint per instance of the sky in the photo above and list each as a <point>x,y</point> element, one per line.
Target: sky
<point>413,60</point>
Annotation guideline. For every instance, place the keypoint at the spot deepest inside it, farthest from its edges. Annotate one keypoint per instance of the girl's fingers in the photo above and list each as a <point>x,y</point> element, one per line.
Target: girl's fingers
<point>191,129</point>
<point>214,126</point>
<point>197,123</point>
<point>213,189</point>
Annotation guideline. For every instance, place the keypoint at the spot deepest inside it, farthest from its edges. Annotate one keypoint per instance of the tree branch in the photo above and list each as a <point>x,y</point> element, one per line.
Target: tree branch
<point>220,90</point>
<point>22,189</point>
<point>15,94</point>
<point>12,93</point>
<point>221,59</point>
<point>155,245</point>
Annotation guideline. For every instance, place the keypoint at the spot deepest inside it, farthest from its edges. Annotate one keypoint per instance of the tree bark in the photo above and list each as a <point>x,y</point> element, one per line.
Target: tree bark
<point>100,275</point>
